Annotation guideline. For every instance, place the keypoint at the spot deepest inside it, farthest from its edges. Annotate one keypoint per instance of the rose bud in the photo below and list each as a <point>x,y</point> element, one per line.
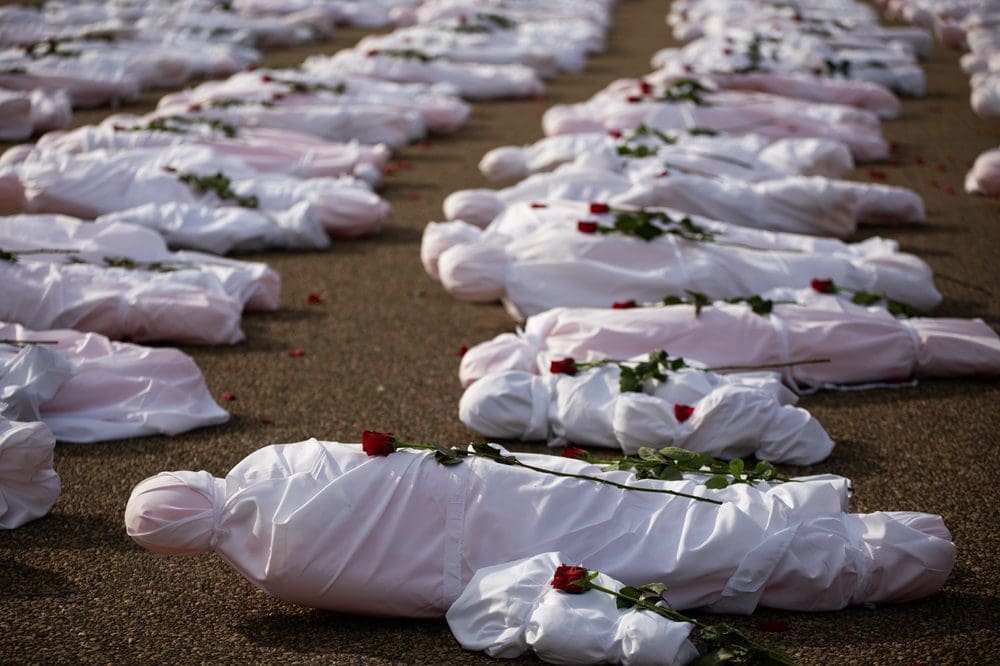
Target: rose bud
<point>599,208</point>
<point>615,134</point>
<point>266,78</point>
<point>570,579</point>
<point>645,88</point>
<point>633,99</point>
<point>683,412</point>
<point>623,305</point>
<point>378,443</point>
<point>586,227</point>
<point>823,286</point>
<point>566,366</point>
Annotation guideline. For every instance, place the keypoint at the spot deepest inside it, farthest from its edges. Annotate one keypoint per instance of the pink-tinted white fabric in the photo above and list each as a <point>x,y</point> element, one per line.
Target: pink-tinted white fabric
<point>87,388</point>
<point>263,149</point>
<point>511,608</point>
<point>473,81</point>
<point>863,344</point>
<point>984,177</point>
<point>96,183</point>
<point>730,416</point>
<point>797,204</point>
<point>251,283</point>
<point>536,266</point>
<point>749,157</point>
<point>29,485</point>
<point>322,524</point>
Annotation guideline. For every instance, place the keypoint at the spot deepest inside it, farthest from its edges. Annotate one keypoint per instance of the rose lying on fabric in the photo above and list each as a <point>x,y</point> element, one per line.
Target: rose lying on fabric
<point>586,227</point>
<point>683,412</point>
<point>823,286</point>
<point>569,579</point>
<point>378,443</point>
<point>566,366</point>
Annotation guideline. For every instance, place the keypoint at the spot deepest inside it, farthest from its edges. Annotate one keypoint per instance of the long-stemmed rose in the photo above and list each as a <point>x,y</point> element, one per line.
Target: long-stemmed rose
<point>859,297</point>
<point>382,444</point>
<point>634,374</point>
<point>721,643</point>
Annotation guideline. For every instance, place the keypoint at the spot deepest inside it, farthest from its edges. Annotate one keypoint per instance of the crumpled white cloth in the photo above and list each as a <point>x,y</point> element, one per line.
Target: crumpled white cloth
<point>511,608</point>
<point>984,176</point>
<point>29,485</point>
<point>863,344</point>
<point>87,388</point>
<point>322,524</point>
<point>733,416</point>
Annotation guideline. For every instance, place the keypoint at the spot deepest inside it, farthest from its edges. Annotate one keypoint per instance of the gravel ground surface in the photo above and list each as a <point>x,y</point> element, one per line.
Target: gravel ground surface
<point>382,353</point>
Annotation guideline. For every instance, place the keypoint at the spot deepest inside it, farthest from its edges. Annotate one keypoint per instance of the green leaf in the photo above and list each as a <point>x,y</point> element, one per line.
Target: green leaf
<point>654,588</point>
<point>668,473</point>
<point>628,382</point>
<point>647,453</point>
<point>717,483</point>
<point>632,594</point>
<point>736,467</point>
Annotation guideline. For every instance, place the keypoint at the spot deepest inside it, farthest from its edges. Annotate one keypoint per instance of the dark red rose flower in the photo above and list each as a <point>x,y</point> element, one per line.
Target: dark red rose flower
<point>566,366</point>
<point>645,88</point>
<point>633,99</point>
<point>569,579</point>
<point>771,625</point>
<point>599,208</point>
<point>378,443</point>
<point>683,412</point>
<point>823,286</point>
<point>266,78</point>
<point>297,353</point>
<point>574,453</point>
<point>194,108</point>
<point>623,305</point>
<point>615,134</point>
<point>586,227</point>
<point>536,204</point>
<point>462,350</point>
<point>228,397</point>
<point>314,299</point>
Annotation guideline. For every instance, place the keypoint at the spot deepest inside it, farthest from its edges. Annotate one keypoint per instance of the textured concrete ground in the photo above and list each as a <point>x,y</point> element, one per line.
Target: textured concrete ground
<point>381,353</point>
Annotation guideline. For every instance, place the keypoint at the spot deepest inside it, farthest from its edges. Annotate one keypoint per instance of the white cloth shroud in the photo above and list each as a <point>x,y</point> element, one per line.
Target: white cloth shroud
<point>29,484</point>
<point>322,524</point>
<point>733,416</point>
<point>511,608</point>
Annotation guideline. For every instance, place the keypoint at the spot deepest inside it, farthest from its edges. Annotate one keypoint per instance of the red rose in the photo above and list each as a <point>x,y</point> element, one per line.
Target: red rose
<point>683,412</point>
<point>574,453</point>
<point>566,366</point>
<point>194,108</point>
<point>266,78</point>
<point>296,353</point>
<point>623,305</point>
<point>645,88</point>
<point>570,579</point>
<point>824,286</point>
<point>314,299</point>
<point>615,134</point>
<point>586,227</point>
<point>228,397</point>
<point>599,208</point>
<point>633,99</point>
<point>378,443</point>
<point>537,204</point>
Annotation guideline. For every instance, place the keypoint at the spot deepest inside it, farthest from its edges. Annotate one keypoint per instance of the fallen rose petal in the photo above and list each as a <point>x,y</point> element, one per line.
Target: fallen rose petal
<point>683,412</point>
<point>228,397</point>
<point>297,353</point>
<point>771,625</point>
<point>463,350</point>
<point>314,299</point>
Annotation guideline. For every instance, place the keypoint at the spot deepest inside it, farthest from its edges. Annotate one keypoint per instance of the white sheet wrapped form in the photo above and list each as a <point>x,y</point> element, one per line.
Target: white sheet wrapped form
<point>322,524</point>
<point>87,388</point>
<point>29,485</point>
<point>732,416</point>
